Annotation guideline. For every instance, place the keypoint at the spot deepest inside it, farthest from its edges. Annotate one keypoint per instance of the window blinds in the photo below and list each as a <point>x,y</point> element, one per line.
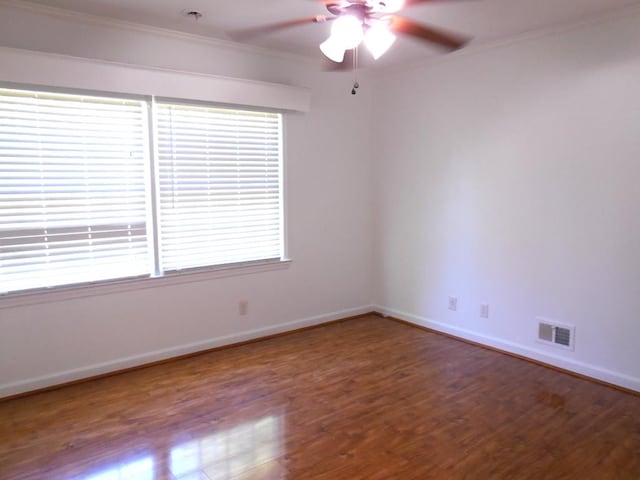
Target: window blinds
<point>72,189</point>
<point>219,185</point>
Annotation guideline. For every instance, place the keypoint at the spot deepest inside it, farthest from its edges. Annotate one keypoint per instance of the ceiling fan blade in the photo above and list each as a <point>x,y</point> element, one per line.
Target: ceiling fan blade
<point>447,40</point>
<point>248,33</point>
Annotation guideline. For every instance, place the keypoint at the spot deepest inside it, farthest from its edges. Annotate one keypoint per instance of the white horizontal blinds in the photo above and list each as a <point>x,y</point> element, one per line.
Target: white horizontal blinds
<point>219,185</point>
<point>72,189</point>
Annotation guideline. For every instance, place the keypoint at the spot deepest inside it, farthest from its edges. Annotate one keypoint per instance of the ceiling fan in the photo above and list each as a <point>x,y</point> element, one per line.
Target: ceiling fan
<point>372,22</point>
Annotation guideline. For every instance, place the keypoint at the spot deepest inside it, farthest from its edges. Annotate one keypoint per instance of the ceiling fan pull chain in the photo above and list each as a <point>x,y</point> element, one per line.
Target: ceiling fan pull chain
<point>355,71</point>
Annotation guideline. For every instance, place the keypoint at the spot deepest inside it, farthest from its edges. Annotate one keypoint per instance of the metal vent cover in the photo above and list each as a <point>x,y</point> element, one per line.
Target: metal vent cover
<point>563,336</point>
<point>545,332</point>
<point>557,334</point>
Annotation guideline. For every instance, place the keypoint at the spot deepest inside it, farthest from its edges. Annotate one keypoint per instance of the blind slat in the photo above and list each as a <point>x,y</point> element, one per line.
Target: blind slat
<point>220,191</point>
<point>73,202</point>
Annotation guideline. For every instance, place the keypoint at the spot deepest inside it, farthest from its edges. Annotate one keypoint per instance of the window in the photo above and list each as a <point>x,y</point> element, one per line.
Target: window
<point>77,186</point>
<point>72,189</point>
<point>219,185</point>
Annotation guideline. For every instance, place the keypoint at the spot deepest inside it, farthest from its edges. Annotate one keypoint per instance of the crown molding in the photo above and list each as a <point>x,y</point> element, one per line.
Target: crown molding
<point>89,19</point>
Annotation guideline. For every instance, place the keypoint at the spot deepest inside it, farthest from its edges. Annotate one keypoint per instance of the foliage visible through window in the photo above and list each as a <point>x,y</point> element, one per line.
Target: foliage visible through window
<point>76,186</point>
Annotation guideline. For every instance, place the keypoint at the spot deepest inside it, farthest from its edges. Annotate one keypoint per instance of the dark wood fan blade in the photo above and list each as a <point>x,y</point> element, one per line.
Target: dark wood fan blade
<point>442,38</point>
<point>248,33</point>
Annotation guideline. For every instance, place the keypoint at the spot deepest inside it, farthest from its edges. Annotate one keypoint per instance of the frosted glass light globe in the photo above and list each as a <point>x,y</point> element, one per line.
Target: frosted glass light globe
<point>333,49</point>
<point>347,30</point>
<point>378,40</point>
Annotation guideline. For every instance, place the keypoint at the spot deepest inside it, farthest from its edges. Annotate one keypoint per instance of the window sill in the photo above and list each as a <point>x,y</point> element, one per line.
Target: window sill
<point>62,293</point>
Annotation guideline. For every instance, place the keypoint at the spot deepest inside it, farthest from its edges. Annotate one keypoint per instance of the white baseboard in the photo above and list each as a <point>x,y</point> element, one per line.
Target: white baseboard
<point>59,378</point>
<point>609,376</point>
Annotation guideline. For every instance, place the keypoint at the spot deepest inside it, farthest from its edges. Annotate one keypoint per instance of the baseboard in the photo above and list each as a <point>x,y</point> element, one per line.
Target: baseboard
<point>569,365</point>
<point>54,380</point>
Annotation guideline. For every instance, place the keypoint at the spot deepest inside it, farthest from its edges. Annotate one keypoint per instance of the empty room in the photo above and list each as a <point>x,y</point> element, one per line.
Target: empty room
<point>308,239</point>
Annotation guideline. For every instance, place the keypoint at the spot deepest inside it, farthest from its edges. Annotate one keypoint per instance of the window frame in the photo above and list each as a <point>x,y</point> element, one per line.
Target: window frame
<point>156,178</point>
<point>157,278</point>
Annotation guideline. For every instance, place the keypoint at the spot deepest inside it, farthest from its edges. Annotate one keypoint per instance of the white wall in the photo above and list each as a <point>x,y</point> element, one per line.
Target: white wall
<point>511,176</point>
<point>329,223</point>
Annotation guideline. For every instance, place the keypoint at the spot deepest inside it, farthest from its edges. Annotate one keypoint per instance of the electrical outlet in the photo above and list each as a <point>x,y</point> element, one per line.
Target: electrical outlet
<point>453,303</point>
<point>484,310</point>
<point>243,307</point>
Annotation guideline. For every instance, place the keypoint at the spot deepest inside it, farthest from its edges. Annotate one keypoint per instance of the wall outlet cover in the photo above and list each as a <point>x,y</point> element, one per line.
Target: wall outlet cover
<point>453,303</point>
<point>243,307</point>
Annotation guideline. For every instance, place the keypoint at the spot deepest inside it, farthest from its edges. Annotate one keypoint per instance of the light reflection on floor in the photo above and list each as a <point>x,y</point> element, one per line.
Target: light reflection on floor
<point>141,469</point>
<point>246,451</point>
<point>229,453</point>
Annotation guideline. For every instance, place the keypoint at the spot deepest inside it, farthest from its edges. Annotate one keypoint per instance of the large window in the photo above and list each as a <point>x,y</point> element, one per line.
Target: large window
<point>85,195</point>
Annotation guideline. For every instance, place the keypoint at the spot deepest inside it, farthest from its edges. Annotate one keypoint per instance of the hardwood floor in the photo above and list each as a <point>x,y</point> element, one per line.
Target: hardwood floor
<point>362,399</point>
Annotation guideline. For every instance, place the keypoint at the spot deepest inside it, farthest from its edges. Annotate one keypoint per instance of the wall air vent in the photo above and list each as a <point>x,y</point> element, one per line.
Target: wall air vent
<point>556,334</point>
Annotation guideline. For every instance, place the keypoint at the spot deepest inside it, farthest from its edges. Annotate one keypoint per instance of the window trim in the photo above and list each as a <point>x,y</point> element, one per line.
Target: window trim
<point>156,278</point>
<point>52,69</point>
<point>62,293</point>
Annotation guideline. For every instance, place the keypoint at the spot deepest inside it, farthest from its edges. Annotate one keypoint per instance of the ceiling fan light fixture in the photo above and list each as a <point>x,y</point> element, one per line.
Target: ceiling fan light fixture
<point>347,31</point>
<point>333,49</point>
<point>378,40</point>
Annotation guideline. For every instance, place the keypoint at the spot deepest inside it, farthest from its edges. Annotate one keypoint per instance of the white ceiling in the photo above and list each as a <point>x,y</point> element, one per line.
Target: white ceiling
<point>484,20</point>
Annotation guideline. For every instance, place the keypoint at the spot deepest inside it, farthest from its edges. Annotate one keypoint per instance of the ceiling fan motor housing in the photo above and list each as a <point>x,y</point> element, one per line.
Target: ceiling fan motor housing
<point>359,10</point>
